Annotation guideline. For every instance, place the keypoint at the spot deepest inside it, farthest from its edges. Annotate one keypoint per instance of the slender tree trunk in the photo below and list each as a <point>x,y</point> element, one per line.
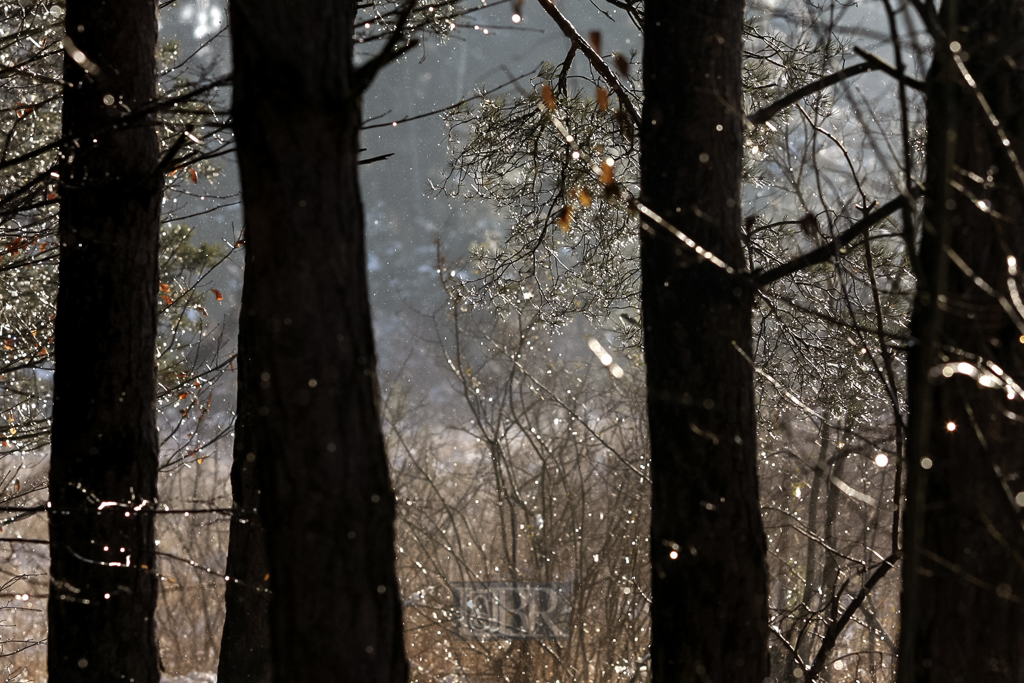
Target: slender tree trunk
<point>812,580</point>
<point>709,611</point>
<point>829,566</point>
<point>801,633</point>
<point>325,496</point>
<point>103,461</point>
<point>962,615</point>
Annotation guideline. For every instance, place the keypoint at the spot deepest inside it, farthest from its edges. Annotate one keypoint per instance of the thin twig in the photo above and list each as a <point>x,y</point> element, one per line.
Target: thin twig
<point>480,95</point>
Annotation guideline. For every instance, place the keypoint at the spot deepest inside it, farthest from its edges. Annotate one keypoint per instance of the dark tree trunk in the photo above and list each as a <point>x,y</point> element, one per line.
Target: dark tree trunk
<point>103,461</point>
<point>709,611</point>
<point>963,579</point>
<point>245,645</point>
<point>325,497</point>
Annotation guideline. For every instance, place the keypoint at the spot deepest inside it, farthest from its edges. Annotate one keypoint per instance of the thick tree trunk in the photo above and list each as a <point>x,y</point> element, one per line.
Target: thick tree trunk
<point>963,581</point>
<point>245,645</point>
<point>103,461</point>
<point>709,611</point>
<point>326,499</point>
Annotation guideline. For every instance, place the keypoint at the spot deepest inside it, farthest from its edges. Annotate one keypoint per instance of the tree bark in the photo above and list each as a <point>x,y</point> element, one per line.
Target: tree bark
<point>326,499</point>
<point>245,644</point>
<point>709,611</point>
<point>103,461</point>
<point>962,617</point>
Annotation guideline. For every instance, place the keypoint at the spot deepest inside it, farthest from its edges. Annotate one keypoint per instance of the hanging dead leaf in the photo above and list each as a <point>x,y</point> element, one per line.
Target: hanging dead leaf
<point>183,394</point>
<point>216,293</point>
<point>602,99</point>
<point>549,97</point>
<point>565,218</point>
<point>583,197</point>
<point>629,132</point>
<point>164,287</point>
<point>625,124</point>
<point>608,171</point>
<point>621,64</point>
<point>50,196</point>
<point>595,41</point>
<point>193,175</point>
<point>809,224</point>
<point>166,299</point>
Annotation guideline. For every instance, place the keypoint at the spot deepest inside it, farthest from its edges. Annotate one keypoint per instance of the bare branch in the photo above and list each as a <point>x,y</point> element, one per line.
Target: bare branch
<point>372,160</point>
<point>832,635</point>
<point>365,74</point>
<point>789,646</point>
<point>871,63</point>
<point>894,71</point>
<point>763,278</point>
<point>596,60</point>
<point>763,115</point>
